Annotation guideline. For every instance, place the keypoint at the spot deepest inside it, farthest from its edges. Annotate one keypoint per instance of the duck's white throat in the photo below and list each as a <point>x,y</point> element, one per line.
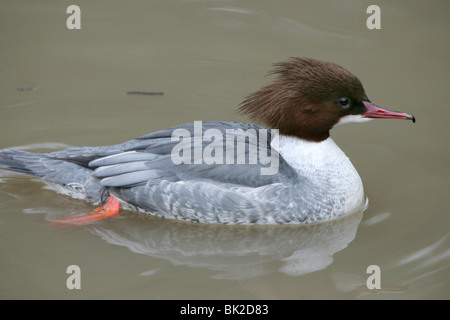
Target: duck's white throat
<point>326,165</point>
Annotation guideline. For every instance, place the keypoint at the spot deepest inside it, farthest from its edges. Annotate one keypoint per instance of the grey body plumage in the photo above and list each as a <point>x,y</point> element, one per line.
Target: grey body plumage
<point>141,174</point>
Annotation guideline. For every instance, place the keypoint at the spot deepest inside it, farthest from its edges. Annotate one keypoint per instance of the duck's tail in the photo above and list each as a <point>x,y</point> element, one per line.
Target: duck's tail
<point>64,176</point>
<point>23,162</point>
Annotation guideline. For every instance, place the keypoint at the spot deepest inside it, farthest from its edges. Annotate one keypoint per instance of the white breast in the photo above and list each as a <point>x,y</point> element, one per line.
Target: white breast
<point>327,167</point>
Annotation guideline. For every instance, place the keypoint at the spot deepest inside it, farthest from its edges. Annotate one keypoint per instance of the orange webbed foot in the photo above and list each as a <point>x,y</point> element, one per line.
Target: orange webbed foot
<point>109,209</point>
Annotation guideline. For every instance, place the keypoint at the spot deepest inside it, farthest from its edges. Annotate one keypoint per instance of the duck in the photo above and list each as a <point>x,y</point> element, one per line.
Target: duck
<point>283,169</point>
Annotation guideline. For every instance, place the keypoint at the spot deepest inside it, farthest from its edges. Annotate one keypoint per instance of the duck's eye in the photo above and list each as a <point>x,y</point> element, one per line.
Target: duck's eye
<point>344,102</point>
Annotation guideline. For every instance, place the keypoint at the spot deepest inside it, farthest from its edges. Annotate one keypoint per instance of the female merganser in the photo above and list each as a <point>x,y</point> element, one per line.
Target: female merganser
<point>188,173</point>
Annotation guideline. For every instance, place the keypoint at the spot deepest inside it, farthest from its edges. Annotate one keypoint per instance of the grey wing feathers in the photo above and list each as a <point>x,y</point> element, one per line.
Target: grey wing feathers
<point>142,173</point>
<point>150,160</point>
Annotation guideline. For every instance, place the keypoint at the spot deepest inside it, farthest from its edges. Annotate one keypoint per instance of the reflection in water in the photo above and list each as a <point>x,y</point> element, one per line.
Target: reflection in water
<point>237,252</point>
